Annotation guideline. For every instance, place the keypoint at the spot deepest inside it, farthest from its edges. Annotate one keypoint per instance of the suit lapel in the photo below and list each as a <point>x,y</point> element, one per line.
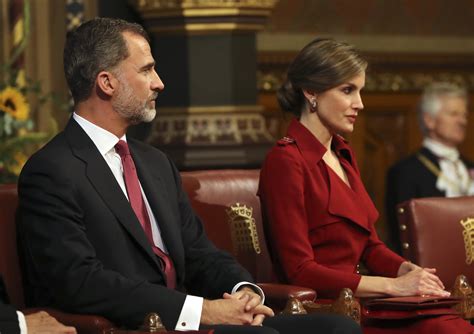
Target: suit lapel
<point>104,182</point>
<point>158,198</point>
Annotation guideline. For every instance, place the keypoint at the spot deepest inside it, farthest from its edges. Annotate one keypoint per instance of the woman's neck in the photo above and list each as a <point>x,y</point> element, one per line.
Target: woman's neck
<point>314,125</point>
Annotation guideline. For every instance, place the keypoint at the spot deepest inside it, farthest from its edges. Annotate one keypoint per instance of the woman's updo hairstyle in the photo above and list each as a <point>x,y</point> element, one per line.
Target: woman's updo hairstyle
<point>321,65</point>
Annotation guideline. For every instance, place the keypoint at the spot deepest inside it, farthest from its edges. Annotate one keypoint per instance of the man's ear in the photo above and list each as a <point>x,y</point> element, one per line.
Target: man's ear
<point>429,121</point>
<point>106,83</point>
<point>309,95</point>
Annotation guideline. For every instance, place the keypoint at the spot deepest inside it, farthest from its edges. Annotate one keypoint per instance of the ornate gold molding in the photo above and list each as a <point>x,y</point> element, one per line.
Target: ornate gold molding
<point>200,16</point>
<point>208,129</point>
<point>386,72</point>
<point>195,28</point>
<point>185,4</point>
<point>270,80</point>
<point>209,109</point>
<point>416,81</point>
<point>199,12</point>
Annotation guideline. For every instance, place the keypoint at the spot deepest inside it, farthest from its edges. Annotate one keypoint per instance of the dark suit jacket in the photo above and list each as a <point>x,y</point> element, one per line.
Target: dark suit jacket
<point>320,229</point>
<point>408,179</point>
<point>85,249</point>
<point>8,317</point>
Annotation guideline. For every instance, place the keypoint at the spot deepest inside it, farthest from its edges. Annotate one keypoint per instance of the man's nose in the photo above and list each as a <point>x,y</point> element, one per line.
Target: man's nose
<point>157,84</point>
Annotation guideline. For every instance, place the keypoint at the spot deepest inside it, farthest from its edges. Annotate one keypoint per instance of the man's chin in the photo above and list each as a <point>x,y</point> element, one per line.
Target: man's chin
<point>146,117</point>
<point>149,115</point>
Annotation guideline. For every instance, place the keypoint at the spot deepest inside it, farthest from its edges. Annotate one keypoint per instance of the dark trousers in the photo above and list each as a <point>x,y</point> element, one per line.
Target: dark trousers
<point>296,324</point>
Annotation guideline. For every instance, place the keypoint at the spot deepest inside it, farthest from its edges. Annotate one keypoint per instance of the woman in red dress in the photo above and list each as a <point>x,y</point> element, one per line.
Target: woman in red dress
<point>320,217</point>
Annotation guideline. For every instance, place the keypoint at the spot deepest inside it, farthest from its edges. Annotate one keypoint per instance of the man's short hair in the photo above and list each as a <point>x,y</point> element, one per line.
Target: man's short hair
<point>430,101</point>
<point>95,46</point>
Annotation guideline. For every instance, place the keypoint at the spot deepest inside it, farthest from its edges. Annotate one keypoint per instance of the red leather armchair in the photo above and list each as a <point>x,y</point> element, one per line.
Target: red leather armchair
<point>227,203</point>
<point>11,271</point>
<point>439,233</point>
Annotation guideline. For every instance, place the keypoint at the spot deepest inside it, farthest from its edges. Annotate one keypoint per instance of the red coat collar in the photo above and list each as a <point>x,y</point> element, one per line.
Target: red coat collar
<point>311,148</point>
<point>358,208</point>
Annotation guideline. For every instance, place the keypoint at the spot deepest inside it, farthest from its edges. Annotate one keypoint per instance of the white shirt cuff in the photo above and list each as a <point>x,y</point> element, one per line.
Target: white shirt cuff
<point>22,322</point>
<point>190,316</point>
<point>251,285</point>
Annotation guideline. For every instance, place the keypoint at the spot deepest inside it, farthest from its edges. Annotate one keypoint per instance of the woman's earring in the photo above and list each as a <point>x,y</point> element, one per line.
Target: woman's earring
<point>314,105</point>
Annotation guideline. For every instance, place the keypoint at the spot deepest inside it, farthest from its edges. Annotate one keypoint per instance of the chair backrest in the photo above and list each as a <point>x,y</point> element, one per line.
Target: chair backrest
<point>438,232</point>
<point>9,263</point>
<point>227,203</point>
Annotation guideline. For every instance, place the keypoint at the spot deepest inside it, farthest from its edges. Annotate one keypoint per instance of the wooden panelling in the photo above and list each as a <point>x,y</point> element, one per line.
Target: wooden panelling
<point>394,17</point>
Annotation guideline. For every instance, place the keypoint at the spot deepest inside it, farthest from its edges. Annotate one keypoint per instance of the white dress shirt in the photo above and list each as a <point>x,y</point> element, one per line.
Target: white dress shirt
<point>22,323</point>
<point>105,141</point>
<point>454,178</point>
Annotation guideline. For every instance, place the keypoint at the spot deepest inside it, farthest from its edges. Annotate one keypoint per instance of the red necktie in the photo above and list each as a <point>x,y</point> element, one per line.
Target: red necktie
<point>138,205</point>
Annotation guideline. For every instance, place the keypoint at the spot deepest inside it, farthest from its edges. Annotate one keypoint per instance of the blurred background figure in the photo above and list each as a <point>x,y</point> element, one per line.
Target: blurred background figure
<point>437,169</point>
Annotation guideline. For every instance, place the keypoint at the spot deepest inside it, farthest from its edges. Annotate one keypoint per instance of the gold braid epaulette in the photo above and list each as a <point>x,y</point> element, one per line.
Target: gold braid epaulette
<point>429,164</point>
<point>437,172</point>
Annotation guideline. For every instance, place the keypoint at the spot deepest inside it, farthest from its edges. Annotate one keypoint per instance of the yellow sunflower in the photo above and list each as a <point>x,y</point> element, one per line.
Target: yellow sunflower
<point>20,160</point>
<point>13,102</point>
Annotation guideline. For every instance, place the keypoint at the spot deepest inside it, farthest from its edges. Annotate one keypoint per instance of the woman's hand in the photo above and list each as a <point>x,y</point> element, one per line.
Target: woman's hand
<point>406,267</point>
<point>414,281</point>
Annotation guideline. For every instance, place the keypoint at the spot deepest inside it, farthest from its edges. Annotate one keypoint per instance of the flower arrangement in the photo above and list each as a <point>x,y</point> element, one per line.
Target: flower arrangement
<point>17,138</point>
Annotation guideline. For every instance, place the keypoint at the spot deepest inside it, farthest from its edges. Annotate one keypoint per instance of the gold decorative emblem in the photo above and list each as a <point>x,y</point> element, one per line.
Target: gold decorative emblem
<point>468,234</point>
<point>243,228</point>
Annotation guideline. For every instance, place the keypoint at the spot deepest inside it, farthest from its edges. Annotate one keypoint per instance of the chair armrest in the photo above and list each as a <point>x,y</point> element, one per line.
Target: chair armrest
<point>463,290</point>
<point>84,323</point>
<point>278,295</point>
<point>346,304</point>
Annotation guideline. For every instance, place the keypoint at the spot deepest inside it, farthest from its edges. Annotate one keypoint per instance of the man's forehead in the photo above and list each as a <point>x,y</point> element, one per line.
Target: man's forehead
<point>138,46</point>
<point>449,104</point>
<point>453,100</point>
<point>133,39</point>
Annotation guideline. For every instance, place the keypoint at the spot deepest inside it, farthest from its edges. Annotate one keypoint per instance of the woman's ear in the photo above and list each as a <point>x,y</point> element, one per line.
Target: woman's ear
<point>106,83</point>
<point>309,95</point>
<point>311,99</point>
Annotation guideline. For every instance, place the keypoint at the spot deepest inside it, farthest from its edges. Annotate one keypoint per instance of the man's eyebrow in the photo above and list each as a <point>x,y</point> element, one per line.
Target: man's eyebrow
<point>148,66</point>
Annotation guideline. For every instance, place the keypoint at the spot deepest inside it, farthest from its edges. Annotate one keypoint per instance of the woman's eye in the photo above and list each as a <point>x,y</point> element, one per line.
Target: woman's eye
<point>347,90</point>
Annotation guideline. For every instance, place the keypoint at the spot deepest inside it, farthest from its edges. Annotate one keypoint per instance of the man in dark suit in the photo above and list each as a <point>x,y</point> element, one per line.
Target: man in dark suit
<point>15,322</point>
<point>104,223</point>
<point>436,169</point>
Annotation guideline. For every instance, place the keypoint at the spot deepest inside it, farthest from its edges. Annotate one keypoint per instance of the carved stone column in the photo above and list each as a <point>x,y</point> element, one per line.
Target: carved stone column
<point>205,52</point>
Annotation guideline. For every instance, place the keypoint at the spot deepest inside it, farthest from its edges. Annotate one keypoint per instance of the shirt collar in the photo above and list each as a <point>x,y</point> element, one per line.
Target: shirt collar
<point>311,148</point>
<point>441,150</point>
<point>103,139</point>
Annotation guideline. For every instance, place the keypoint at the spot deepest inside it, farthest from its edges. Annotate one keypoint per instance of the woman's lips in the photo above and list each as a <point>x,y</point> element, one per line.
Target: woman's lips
<point>352,118</point>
